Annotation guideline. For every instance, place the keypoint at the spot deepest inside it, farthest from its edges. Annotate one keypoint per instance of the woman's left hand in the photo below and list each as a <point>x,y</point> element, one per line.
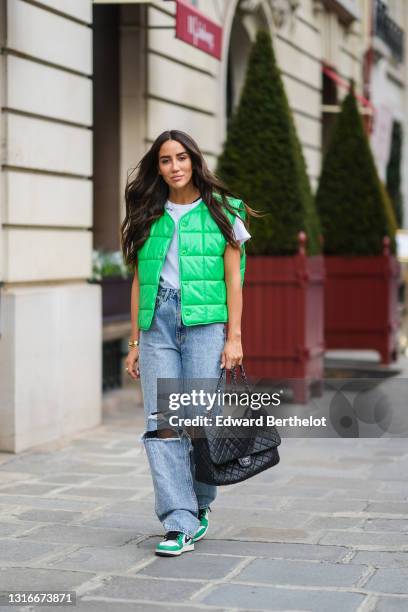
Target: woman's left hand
<point>232,354</point>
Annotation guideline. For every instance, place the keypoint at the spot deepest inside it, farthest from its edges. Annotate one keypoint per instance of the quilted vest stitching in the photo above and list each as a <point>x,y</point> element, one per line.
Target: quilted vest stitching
<point>201,251</point>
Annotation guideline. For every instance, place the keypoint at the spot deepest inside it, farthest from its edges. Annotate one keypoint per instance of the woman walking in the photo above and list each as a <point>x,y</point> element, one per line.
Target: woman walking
<point>183,232</point>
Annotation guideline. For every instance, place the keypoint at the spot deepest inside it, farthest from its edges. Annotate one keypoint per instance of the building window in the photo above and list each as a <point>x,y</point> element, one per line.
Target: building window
<point>330,110</point>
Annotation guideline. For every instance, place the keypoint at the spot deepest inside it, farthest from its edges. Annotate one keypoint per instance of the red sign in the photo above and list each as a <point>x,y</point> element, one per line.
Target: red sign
<point>197,30</point>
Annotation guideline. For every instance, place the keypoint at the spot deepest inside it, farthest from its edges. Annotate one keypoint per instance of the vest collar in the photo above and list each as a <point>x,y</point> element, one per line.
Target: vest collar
<point>199,206</point>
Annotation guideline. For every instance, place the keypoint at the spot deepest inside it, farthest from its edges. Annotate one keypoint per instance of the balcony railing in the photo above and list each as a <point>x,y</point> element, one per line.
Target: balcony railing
<point>388,31</point>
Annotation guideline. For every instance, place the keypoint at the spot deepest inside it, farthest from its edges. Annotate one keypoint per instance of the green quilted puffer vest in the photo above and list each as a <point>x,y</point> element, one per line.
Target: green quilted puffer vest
<point>201,265</point>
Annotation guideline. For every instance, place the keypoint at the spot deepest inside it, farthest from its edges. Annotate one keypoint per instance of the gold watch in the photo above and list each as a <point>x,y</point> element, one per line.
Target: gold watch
<point>133,343</point>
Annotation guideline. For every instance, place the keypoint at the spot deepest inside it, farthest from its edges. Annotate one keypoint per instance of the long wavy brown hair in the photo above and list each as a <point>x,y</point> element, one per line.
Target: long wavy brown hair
<point>147,193</point>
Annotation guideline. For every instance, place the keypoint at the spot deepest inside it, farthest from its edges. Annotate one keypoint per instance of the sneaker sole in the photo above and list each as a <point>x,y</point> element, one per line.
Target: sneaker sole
<point>201,536</point>
<point>174,553</point>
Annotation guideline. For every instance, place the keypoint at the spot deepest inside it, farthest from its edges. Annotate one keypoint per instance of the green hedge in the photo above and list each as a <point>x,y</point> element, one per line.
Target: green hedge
<point>262,161</point>
<point>351,200</point>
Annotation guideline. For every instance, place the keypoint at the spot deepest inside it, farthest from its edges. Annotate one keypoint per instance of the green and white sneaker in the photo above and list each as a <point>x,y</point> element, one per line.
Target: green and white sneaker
<point>204,522</point>
<point>174,543</point>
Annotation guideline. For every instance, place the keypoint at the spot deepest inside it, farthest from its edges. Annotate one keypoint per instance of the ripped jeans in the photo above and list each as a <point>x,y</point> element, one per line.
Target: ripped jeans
<point>169,349</point>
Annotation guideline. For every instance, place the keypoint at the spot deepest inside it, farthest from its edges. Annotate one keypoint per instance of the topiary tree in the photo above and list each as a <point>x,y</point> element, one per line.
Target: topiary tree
<point>394,172</point>
<point>350,198</point>
<point>263,163</point>
<point>389,211</point>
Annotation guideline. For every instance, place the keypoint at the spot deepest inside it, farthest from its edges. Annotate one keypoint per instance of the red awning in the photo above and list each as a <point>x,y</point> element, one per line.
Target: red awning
<point>332,74</point>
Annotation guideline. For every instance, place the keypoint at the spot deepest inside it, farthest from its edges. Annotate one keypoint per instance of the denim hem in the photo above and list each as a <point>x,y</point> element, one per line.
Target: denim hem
<point>174,527</point>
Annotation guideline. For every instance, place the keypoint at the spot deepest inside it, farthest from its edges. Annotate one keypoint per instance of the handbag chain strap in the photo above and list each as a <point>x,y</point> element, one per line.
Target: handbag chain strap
<point>223,371</point>
<point>234,377</point>
<point>243,376</point>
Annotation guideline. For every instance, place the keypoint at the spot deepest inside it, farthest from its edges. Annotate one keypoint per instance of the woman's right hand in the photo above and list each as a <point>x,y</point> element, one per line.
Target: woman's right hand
<point>132,363</point>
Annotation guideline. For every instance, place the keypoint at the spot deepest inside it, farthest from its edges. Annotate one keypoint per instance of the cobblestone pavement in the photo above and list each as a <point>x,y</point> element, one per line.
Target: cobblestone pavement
<point>326,529</point>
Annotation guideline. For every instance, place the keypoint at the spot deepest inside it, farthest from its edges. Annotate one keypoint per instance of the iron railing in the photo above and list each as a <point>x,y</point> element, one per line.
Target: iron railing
<point>388,31</point>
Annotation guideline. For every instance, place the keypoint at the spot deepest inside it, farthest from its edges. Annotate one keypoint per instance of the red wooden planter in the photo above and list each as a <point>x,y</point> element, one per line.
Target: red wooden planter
<point>361,303</point>
<point>282,322</point>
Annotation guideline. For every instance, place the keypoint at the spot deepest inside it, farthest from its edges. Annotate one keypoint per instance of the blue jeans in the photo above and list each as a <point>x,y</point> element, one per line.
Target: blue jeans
<point>169,349</point>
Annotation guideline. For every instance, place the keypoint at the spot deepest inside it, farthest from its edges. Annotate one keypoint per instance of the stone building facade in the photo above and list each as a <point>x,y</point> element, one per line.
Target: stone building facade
<point>85,88</point>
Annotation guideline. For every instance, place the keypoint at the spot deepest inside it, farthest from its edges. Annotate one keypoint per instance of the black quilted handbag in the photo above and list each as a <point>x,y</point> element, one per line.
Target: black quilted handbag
<point>223,455</point>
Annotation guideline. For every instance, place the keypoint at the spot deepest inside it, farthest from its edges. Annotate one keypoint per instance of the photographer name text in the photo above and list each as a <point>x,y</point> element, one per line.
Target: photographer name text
<point>261,421</point>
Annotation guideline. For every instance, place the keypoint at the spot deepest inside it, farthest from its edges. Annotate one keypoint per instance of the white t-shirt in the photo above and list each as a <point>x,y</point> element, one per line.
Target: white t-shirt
<point>169,276</point>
